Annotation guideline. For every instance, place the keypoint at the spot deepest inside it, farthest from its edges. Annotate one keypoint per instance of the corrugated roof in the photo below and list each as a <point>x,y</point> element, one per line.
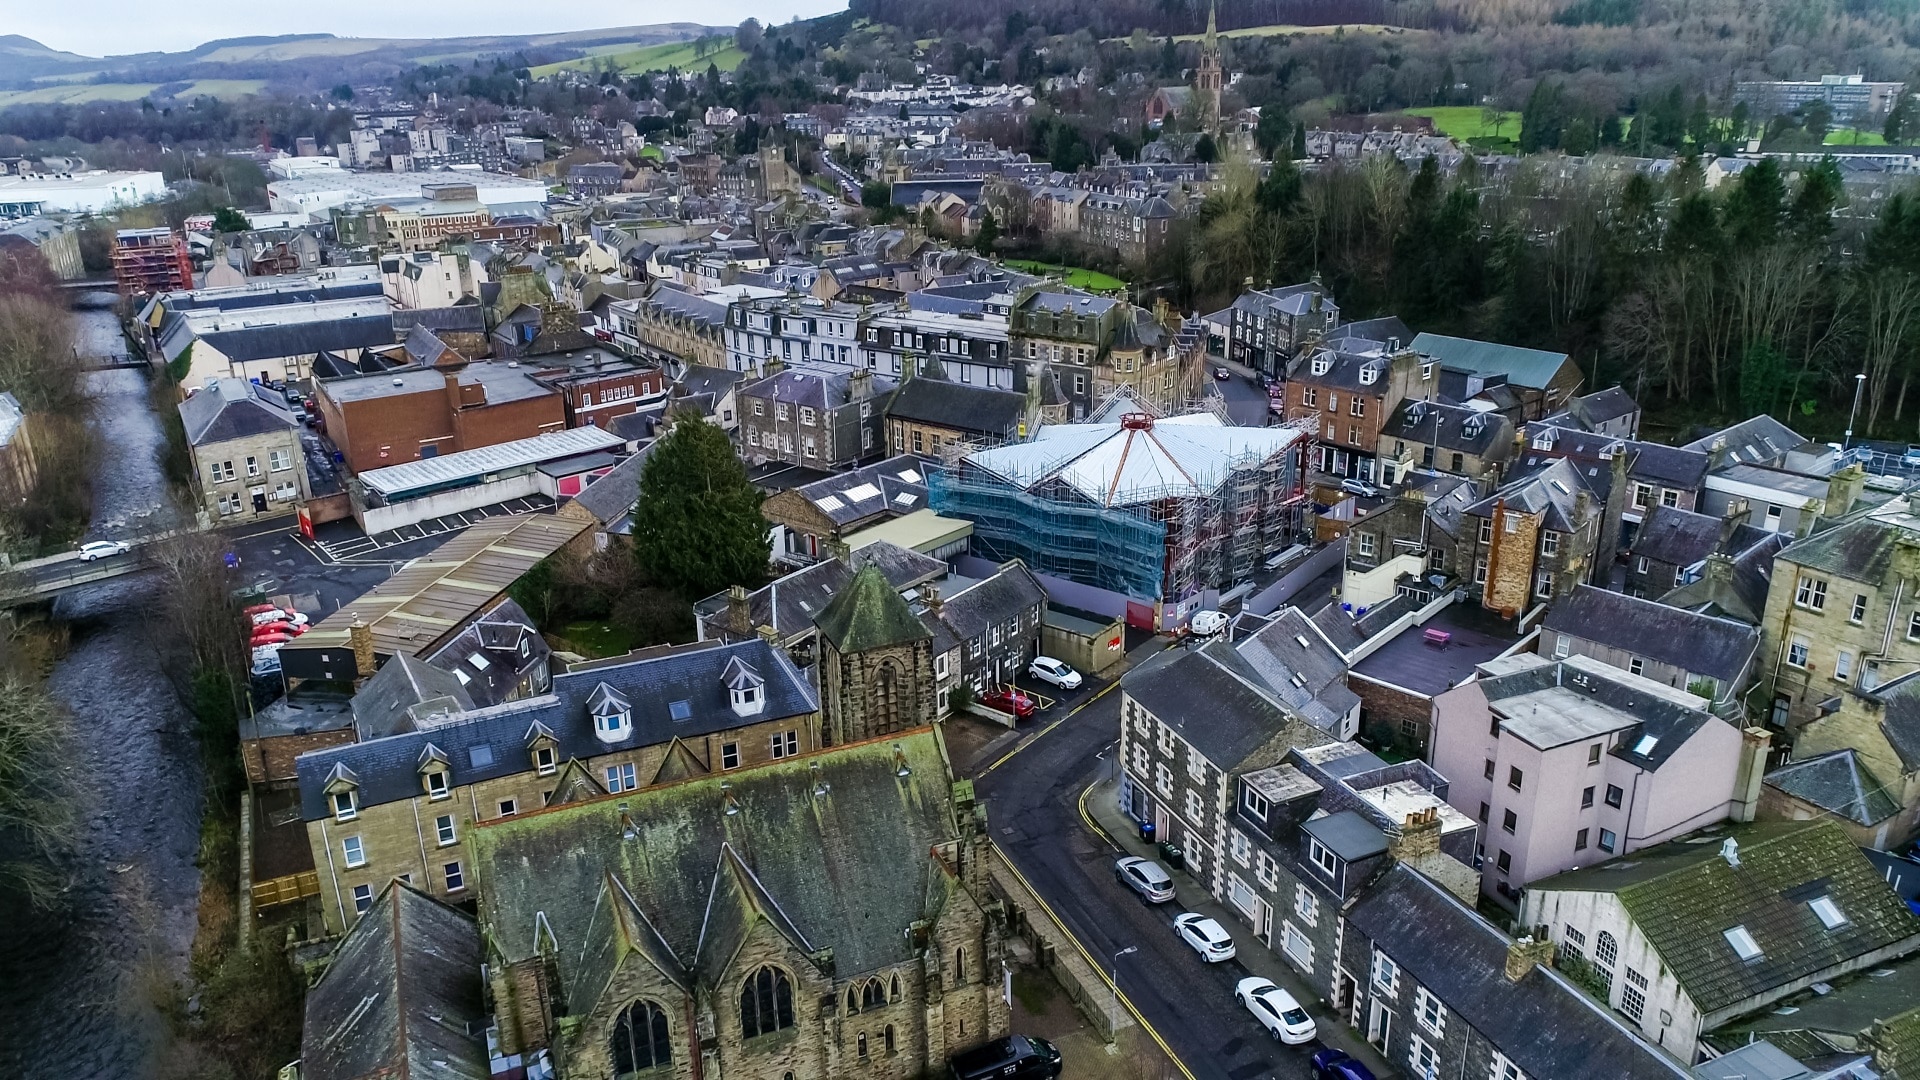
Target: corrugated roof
<point>1531,368</point>
<point>396,480</point>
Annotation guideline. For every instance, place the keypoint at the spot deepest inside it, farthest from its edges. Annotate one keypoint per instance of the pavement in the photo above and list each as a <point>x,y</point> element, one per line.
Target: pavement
<point>1050,815</point>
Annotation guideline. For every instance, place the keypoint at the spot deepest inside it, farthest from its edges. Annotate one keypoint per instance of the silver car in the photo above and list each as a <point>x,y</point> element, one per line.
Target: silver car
<point>1145,877</point>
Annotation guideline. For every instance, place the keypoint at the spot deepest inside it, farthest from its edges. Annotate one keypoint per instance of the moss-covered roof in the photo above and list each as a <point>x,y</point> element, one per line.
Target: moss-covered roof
<point>869,614</point>
<point>831,849</point>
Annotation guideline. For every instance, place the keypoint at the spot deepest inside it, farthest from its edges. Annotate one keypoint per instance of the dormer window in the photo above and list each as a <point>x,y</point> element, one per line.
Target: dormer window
<point>437,785</point>
<point>343,793</point>
<point>1369,375</point>
<point>1323,857</point>
<point>612,715</point>
<point>543,761</point>
<point>345,807</point>
<point>1322,365</point>
<point>746,690</point>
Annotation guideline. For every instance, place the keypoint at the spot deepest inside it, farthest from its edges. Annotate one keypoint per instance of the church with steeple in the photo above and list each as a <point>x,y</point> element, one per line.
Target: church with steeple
<point>1203,96</point>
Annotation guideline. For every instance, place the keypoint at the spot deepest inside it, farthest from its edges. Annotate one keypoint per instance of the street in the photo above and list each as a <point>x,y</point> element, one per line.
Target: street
<point>1247,401</point>
<point>1035,813</point>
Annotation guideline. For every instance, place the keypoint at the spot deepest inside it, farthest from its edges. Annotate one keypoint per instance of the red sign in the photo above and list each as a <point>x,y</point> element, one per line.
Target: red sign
<point>306,523</point>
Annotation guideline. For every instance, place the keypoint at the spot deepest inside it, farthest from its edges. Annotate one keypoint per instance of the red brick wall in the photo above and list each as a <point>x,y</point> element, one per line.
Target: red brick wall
<point>400,423</point>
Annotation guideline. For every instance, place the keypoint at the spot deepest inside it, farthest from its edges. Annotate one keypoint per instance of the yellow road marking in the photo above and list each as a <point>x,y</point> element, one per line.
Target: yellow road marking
<point>1092,824</point>
<point>1095,964</point>
<point>1043,731</point>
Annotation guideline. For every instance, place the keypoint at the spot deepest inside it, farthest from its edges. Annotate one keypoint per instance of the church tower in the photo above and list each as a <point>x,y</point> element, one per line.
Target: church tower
<point>876,662</point>
<point>1208,79</point>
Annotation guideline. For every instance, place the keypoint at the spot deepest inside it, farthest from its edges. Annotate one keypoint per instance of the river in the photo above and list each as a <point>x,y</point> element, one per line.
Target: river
<point>77,982</point>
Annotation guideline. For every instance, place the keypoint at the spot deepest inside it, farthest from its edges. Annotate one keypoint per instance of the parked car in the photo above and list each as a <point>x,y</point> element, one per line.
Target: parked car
<point>1016,1057</point>
<point>268,636</point>
<point>1278,1012</point>
<point>1359,487</point>
<point>1331,1064</point>
<point>101,549</point>
<point>1207,936</point>
<point>1145,877</point>
<point>1008,700</point>
<point>1208,622</point>
<point>1049,670</point>
<point>257,609</point>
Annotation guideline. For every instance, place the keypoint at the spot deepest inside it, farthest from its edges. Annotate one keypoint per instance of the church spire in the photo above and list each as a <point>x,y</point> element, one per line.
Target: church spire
<point>1212,37</point>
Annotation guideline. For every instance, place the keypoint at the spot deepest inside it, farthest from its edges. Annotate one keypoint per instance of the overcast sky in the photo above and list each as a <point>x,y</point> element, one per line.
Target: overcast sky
<point>113,27</point>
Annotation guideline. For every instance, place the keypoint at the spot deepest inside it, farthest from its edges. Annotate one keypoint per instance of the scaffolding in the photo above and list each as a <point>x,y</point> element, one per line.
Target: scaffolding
<point>149,261</point>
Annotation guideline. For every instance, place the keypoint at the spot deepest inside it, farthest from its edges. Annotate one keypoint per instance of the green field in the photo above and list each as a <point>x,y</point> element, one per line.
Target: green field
<point>1467,121</point>
<point>651,151</point>
<point>1850,137</point>
<point>1077,277</point>
<point>628,60</point>
<point>70,93</point>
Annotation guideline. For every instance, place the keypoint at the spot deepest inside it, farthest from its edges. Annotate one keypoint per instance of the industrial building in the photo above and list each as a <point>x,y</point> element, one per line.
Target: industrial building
<point>1165,512</point>
<point>77,193</point>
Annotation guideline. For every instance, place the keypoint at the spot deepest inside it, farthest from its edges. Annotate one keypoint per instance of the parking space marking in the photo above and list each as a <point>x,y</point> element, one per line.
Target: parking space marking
<point>1038,735</point>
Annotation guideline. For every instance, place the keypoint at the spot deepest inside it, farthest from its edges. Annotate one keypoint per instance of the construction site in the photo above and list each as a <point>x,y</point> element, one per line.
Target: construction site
<point>1163,511</point>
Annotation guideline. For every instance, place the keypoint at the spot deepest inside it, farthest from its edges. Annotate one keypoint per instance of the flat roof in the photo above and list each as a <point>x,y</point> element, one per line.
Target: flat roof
<point>1410,663</point>
<point>384,384</point>
<point>213,320</point>
<point>922,531</point>
<point>467,464</point>
<point>440,592</point>
<point>1404,797</point>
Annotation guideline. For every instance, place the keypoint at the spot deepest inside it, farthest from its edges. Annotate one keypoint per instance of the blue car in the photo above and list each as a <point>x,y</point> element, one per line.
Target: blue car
<point>1331,1064</point>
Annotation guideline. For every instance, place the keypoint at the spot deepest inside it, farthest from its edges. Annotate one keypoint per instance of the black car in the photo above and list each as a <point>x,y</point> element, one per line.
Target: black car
<point>1016,1057</point>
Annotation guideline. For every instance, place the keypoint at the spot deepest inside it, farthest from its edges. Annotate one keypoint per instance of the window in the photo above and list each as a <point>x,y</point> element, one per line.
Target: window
<point>785,744</point>
<point>1504,862</point>
<point>343,806</point>
<point>1913,626</point>
<point>1487,770</point>
<point>1797,648</point>
<point>1486,530</point>
<point>1669,497</point>
<point>1505,1070</point>
<point>1642,495</point>
<point>1859,612</point>
<point>443,829</point>
<point>1636,666</point>
<point>1614,795</point>
<point>1607,841</point>
<point>620,778</point>
<point>960,967</point>
<point>437,785</point>
<point>1640,565</point>
<point>806,415</point>
<point>640,1039</point>
<point>1829,912</point>
<point>1509,821</point>
<point>362,898</point>
<point>1255,806</point>
<point>1196,767</point>
<point>1479,571</point>
<point>766,1003</point>
<point>1428,1010</point>
<point>1543,584</point>
<point>780,411</point>
<point>1514,777</point>
<point>730,755</point>
<point>1484,811</point>
<point>1580,840</point>
<point>1241,847</point>
<point>220,470</point>
<point>1163,779</point>
<point>1366,543</point>
<point>1812,594</point>
<point>1297,946</point>
<point>1309,396</point>
<point>253,466</point>
<point>1743,944</point>
<point>1333,402</point>
<point>1305,904</point>
<point>1421,1056</point>
<point>279,460</point>
<point>543,762</point>
<point>509,807</point>
<point>355,852</point>
<point>456,880</point>
<point>1196,812</point>
<point>1842,665</point>
<point>888,1039</point>
<point>1549,543</point>
<point>1323,857</point>
<point>1386,973</point>
<point>1586,798</point>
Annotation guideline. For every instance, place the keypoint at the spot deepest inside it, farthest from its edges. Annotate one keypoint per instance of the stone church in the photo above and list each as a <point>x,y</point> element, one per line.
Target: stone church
<point>876,663</point>
<point>817,917</point>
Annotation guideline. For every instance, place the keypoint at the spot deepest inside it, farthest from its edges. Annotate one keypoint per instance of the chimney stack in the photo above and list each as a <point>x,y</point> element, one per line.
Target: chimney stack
<point>1754,745</point>
<point>1534,950</point>
<point>739,612</point>
<point>1418,836</point>
<point>930,596</point>
<point>361,637</point>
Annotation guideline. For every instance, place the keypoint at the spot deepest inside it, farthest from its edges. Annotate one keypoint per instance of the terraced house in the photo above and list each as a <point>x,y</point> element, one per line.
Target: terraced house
<point>823,916</point>
<point>402,806</point>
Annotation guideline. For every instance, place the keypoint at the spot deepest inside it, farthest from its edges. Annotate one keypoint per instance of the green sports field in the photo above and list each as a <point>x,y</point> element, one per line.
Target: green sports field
<point>1078,277</point>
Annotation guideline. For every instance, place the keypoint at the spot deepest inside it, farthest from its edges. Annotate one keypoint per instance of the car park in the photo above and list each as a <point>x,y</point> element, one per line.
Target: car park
<point>1208,622</point>
<point>1332,1064</point>
<point>1049,670</point>
<point>1145,877</point>
<point>101,549</point>
<point>1207,936</point>
<point>1008,700</point>
<point>1278,1012</point>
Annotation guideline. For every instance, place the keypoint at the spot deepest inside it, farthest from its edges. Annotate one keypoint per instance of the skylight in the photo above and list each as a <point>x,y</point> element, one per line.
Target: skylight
<point>829,503</point>
<point>1829,912</point>
<point>905,498</point>
<point>910,476</point>
<point>680,710</point>
<point>1646,744</point>
<point>1743,944</point>
<point>479,662</point>
<point>1302,639</point>
<point>480,756</point>
<point>862,492</point>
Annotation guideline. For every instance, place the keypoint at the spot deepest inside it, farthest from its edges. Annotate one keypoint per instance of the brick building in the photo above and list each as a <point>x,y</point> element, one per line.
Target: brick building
<point>1351,389</point>
<point>394,417</point>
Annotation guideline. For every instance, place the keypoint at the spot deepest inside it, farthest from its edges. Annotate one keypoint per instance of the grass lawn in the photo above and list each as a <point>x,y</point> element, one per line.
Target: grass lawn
<point>1466,121</point>
<point>672,54</point>
<point>595,639</point>
<point>1850,137</point>
<point>651,151</point>
<point>70,93</point>
<point>1077,277</point>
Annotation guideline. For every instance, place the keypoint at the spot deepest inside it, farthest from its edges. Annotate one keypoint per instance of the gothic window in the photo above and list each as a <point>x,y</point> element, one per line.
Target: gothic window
<point>766,1003</point>
<point>872,994</point>
<point>640,1039</point>
<point>893,989</point>
<point>959,967</point>
<point>883,714</point>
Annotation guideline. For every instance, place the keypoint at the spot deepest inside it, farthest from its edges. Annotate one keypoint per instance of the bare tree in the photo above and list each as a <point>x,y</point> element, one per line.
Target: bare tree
<point>1882,309</point>
<point>36,811</point>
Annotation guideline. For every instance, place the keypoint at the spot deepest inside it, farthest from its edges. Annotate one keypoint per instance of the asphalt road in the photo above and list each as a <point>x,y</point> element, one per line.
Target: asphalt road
<point>1247,402</point>
<point>1033,813</point>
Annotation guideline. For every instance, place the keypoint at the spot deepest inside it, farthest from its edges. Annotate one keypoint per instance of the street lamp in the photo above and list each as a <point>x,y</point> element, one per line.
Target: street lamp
<point>1114,1026</point>
<point>1859,387</point>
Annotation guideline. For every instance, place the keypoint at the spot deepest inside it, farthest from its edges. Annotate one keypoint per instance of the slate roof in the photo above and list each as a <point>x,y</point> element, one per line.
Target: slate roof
<point>1386,330</point>
<point>291,339</point>
<point>505,639</point>
<point>1542,1023</point>
<point>1589,411</point>
<point>817,386</point>
<point>1858,549</point>
<point>402,997</point>
<point>977,410</point>
<point>1900,723</point>
<point>1838,782</point>
<point>989,602</point>
<point>869,614</point>
<point>1531,368</point>
<point>1683,896</point>
<point>831,849</point>
<point>1212,698</point>
<point>791,603</point>
<point>1699,644</point>
<point>234,409</point>
<point>1755,440</point>
<point>1552,703</point>
<point>1452,427</point>
<point>611,496</point>
<point>1551,490</point>
<point>492,742</point>
<point>898,486</point>
<point>1681,537</point>
<point>699,379</point>
<point>1654,463</point>
<point>1275,652</point>
<point>1345,361</point>
<point>386,703</point>
<point>1347,834</point>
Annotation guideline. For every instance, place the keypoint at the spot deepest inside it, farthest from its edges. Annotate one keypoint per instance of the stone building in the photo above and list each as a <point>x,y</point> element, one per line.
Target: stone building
<point>823,916</point>
<point>248,461</point>
<point>877,670</point>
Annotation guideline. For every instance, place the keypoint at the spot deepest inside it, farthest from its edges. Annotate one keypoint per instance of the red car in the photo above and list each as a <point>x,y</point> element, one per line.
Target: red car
<point>1008,700</point>
<point>258,609</point>
<point>269,637</point>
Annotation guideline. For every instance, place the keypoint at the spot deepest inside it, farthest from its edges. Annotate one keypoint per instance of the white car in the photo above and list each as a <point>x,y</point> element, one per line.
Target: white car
<point>1208,623</point>
<point>101,549</point>
<point>266,659</point>
<point>1145,877</point>
<point>278,615</point>
<point>1049,670</point>
<point>1207,937</point>
<point>1276,1010</point>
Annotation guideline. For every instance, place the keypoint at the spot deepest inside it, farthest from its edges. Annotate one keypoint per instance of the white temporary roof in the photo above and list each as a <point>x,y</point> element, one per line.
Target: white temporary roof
<point>394,480</point>
<point>1128,462</point>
